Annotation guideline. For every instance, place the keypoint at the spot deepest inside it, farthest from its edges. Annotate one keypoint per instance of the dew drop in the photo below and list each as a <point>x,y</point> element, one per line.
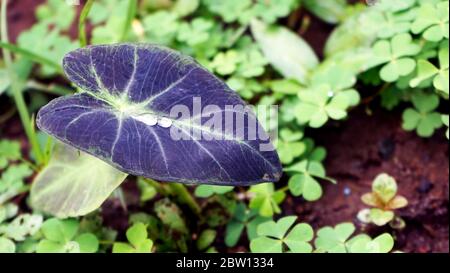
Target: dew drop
<point>148,119</point>
<point>330,93</point>
<point>165,122</point>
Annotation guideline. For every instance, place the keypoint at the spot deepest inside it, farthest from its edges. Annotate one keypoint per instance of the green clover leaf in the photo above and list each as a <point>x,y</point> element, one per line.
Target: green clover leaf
<point>7,246</point>
<point>225,63</point>
<point>265,199</point>
<point>195,32</point>
<point>206,191</point>
<point>334,240</point>
<point>161,27</point>
<point>138,241</point>
<point>427,70</point>
<point>11,181</point>
<point>364,244</point>
<point>274,237</point>
<point>304,182</point>
<point>60,236</point>
<point>319,104</point>
<point>289,145</point>
<point>55,14</point>
<point>206,238</point>
<point>395,55</point>
<point>9,151</point>
<point>242,218</point>
<point>422,117</point>
<point>230,11</point>
<point>22,226</point>
<point>433,21</point>
<point>247,88</point>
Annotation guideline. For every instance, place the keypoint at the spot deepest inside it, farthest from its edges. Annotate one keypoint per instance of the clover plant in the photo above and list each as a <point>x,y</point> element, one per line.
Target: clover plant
<point>384,200</point>
<point>138,241</point>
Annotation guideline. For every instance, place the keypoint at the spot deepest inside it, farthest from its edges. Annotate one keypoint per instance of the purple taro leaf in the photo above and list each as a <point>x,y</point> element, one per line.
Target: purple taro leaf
<point>125,114</point>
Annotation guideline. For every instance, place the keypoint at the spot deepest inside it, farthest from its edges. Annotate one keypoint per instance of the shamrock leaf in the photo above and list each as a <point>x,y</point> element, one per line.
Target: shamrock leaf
<point>195,32</point>
<point>422,117</point>
<point>46,43</point>
<point>427,70</point>
<point>270,11</point>
<point>54,14</point>
<point>304,182</point>
<point>225,63</point>
<point>161,27</point>
<point>395,55</point>
<point>433,21</point>
<point>60,236</point>
<point>396,23</point>
<point>251,60</point>
<point>265,199</point>
<point>247,88</point>
<point>138,241</point>
<point>242,219</point>
<point>9,151</point>
<point>11,181</point>
<point>147,191</point>
<point>206,191</point>
<point>274,237</point>
<point>446,123</point>
<point>206,238</point>
<point>230,11</point>
<point>170,214</point>
<point>319,104</point>
<point>289,145</point>
<point>22,226</point>
<point>7,246</point>
<point>334,240</point>
<point>364,244</point>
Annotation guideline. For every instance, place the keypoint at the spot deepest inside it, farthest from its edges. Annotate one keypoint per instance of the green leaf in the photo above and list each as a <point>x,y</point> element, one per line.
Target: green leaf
<point>380,217</point>
<point>206,238</point>
<point>385,187</point>
<point>206,191</point>
<point>432,21</point>
<point>423,119</point>
<point>73,183</point>
<point>137,236</point>
<point>272,235</point>
<point>60,231</point>
<point>333,240</point>
<point>22,226</point>
<point>7,246</point>
<point>9,151</point>
<point>445,121</point>
<point>266,199</point>
<point>286,51</point>
<point>298,238</point>
<point>170,215</point>
<point>88,243</point>
<point>330,11</point>
<point>53,13</point>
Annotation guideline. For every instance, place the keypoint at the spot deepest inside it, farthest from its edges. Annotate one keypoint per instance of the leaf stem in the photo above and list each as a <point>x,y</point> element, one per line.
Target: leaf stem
<point>178,190</point>
<point>82,23</point>
<point>16,89</point>
<point>131,12</point>
<point>26,53</point>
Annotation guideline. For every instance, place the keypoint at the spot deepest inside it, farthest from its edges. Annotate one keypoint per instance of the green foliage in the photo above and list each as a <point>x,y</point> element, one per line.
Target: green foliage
<point>242,218</point>
<point>206,238</point>
<point>422,118</point>
<point>138,241</point>
<point>9,151</point>
<point>206,191</point>
<point>432,21</point>
<point>304,181</point>
<point>265,199</point>
<point>62,236</point>
<point>446,123</point>
<point>277,237</point>
<point>384,200</point>
<point>12,181</point>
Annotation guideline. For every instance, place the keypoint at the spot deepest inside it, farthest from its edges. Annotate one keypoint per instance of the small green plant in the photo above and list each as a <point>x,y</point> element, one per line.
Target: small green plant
<point>242,218</point>
<point>384,200</point>
<point>274,237</point>
<point>265,199</point>
<point>62,236</point>
<point>138,241</point>
<point>282,236</point>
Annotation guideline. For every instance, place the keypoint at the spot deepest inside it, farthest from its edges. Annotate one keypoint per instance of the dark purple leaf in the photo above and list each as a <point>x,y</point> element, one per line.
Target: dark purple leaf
<point>127,88</point>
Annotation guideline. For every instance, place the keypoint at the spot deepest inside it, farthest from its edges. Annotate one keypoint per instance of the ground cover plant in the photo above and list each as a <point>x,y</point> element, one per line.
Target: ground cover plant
<point>359,155</point>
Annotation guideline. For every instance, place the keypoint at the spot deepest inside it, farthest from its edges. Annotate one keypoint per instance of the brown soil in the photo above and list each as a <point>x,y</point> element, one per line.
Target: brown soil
<point>366,145</point>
